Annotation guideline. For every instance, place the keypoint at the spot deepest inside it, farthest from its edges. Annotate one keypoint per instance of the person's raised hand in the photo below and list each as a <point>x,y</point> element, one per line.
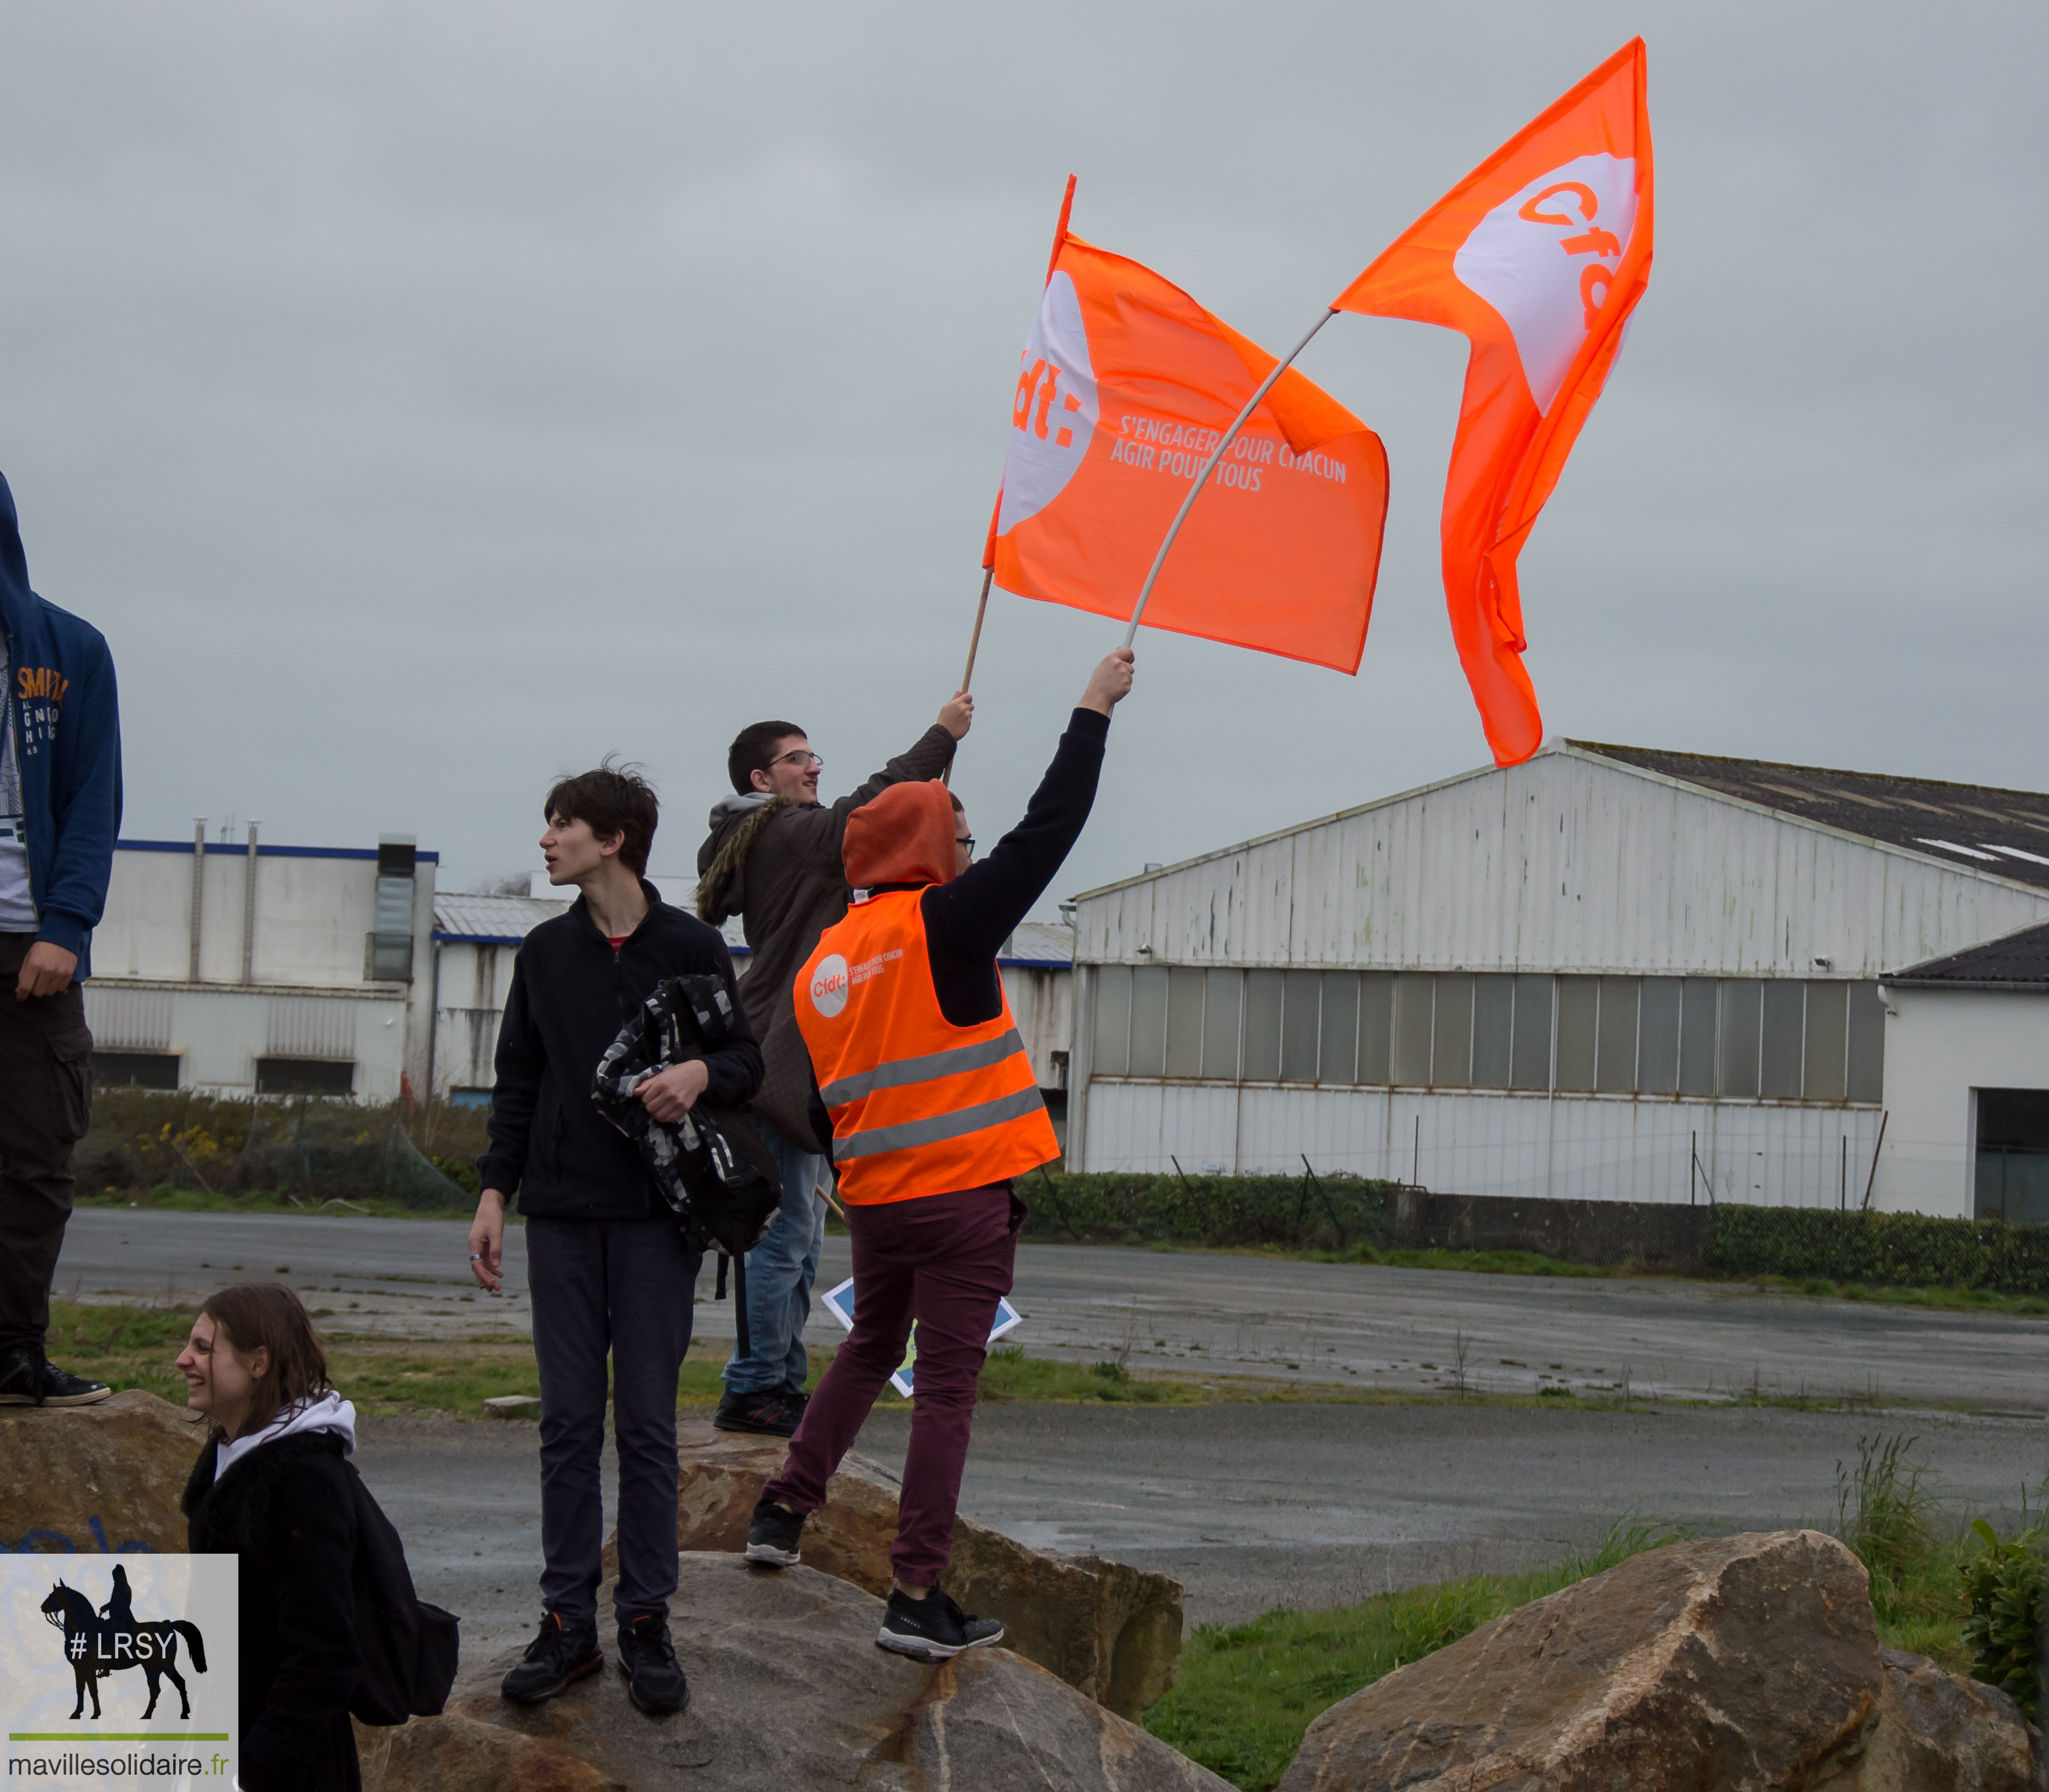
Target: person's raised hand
<point>487,1239</point>
<point>1110,683</point>
<point>45,971</point>
<point>669,1094</point>
<point>958,715</point>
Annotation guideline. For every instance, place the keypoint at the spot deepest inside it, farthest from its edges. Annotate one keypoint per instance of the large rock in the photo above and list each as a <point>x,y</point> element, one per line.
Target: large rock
<point>1938,1732</point>
<point>95,1479</point>
<point>1738,1664</point>
<point>788,1692</point>
<point>1111,1630</point>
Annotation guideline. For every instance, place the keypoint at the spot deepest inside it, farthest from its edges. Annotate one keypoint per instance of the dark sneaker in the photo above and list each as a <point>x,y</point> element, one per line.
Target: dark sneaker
<point>933,1629</point>
<point>552,1659</point>
<point>772,1535</point>
<point>765,1413</point>
<point>653,1679</point>
<point>28,1378</point>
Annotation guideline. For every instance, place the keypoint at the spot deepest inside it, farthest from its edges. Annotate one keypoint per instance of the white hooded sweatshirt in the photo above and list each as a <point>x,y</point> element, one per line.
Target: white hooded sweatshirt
<point>325,1412</point>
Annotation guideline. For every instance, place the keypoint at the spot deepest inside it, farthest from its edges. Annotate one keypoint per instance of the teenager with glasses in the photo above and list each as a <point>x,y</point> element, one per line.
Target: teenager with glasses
<point>773,858</point>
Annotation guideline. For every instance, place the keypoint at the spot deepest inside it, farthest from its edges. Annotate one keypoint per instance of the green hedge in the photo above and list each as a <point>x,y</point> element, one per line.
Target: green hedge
<point>1295,1213</point>
<point>1882,1249</point>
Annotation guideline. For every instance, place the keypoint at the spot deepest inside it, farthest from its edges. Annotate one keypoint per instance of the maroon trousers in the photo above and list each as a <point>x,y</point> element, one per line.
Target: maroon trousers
<point>943,1260</point>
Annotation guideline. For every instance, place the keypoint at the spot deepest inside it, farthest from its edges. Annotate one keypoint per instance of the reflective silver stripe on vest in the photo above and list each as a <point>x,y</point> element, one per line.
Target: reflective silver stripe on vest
<point>940,1126</point>
<point>950,1063</point>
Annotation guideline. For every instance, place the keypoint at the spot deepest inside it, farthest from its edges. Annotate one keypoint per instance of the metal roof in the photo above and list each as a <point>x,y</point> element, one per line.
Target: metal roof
<point>2014,961</point>
<point>2000,833</point>
<point>490,919</point>
<point>1039,942</point>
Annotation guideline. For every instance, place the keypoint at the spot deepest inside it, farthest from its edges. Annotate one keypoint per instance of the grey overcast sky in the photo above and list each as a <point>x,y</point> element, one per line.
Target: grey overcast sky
<point>425,400</point>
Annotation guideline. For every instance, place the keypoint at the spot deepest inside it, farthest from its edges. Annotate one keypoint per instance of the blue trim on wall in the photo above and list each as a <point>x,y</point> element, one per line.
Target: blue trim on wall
<point>234,848</point>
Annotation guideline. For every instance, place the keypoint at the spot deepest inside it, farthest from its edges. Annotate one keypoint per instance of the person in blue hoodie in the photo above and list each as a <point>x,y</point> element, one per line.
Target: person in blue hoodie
<point>60,810</point>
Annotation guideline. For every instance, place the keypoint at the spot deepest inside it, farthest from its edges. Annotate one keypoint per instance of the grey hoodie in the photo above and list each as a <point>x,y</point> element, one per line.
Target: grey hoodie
<point>787,886</point>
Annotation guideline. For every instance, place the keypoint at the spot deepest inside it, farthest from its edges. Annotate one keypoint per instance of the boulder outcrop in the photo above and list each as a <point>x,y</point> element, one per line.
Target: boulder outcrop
<point>788,1691</point>
<point>1938,1732</point>
<point>1110,1630</point>
<point>1750,1663</point>
<point>97,1479</point>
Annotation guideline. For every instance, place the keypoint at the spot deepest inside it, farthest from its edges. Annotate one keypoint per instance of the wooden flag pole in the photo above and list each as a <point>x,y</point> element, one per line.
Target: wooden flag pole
<point>974,642</point>
<point>1209,466</point>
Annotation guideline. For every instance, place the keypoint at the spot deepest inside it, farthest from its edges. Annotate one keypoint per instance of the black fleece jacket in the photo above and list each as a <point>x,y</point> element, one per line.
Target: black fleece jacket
<point>571,994</point>
<point>286,1512</point>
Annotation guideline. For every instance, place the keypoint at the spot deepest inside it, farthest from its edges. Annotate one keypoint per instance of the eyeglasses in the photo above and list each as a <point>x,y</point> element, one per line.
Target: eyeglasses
<point>803,759</point>
<point>966,840</point>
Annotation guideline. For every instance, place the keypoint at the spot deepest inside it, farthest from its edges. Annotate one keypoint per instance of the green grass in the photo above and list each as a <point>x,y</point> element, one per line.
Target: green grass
<point>1246,1693</point>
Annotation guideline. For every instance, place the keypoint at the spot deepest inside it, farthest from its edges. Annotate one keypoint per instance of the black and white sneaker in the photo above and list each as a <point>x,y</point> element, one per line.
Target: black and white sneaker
<point>772,1535</point>
<point>933,1629</point>
<point>28,1378</point>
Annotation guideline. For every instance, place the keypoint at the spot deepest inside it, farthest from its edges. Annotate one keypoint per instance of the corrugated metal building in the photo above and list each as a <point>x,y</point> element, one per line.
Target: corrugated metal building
<point>234,966</point>
<point>1608,972</point>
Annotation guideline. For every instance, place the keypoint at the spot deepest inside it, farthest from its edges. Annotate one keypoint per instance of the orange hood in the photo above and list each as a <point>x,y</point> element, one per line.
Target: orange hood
<point>904,836</point>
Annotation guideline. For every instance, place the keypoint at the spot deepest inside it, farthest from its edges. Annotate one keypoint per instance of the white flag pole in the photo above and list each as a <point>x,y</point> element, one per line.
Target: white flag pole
<point>1209,466</point>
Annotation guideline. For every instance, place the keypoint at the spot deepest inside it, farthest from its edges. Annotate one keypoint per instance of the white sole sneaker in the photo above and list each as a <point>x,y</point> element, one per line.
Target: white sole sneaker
<point>767,1555</point>
<point>923,1649</point>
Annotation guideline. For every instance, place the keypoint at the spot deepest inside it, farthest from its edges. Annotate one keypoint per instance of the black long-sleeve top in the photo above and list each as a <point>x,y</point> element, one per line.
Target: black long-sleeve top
<point>286,1512</point>
<point>967,921</point>
<point>571,993</point>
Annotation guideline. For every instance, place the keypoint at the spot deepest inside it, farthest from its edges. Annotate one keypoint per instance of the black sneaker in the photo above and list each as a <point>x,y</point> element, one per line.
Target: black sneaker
<point>933,1629</point>
<point>653,1679</point>
<point>772,1535</point>
<point>556,1657</point>
<point>765,1413</point>
<point>28,1378</point>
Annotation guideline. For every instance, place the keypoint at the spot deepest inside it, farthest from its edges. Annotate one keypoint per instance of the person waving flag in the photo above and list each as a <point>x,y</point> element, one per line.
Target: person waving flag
<point>1539,256</point>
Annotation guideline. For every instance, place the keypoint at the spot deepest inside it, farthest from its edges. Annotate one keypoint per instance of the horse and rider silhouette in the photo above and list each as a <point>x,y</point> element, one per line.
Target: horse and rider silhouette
<point>97,1643</point>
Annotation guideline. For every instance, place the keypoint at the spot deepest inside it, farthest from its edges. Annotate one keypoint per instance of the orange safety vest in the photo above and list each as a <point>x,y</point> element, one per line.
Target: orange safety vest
<point>918,1105</point>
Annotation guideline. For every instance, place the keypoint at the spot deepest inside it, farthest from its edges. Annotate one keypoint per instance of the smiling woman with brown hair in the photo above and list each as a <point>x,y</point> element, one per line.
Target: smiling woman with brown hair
<point>272,1489</point>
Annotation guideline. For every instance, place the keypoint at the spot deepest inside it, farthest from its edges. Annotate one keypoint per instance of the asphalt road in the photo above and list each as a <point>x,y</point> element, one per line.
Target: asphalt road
<point>1252,1507</point>
<point>1211,1315</point>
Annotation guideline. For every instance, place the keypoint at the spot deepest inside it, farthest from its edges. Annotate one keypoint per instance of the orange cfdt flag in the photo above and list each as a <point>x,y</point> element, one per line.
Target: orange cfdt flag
<point>1539,256</point>
<point>1125,386</point>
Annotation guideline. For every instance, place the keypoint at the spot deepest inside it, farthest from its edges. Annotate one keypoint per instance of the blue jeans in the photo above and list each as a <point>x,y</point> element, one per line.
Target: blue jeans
<point>780,1271</point>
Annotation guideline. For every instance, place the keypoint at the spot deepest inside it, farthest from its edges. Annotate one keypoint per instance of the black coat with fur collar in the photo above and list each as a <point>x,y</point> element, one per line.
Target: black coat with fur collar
<point>285,1510</point>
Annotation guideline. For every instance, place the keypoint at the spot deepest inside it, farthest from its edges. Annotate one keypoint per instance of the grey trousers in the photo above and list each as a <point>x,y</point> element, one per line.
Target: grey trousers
<point>45,1101</point>
<point>621,1288</point>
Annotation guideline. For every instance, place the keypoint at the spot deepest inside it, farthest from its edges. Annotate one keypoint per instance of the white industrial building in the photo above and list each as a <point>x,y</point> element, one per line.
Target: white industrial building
<point>1606,973</point>
<point>236,966</point>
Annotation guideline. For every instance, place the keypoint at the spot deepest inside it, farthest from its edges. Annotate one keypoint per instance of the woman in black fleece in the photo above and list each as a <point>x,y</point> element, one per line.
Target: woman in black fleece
<point>270,1488</point>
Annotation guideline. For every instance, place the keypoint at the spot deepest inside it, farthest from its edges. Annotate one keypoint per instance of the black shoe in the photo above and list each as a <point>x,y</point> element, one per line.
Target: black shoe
<point>766,1413</point>
<point>933,1629</point>
<point>772,1535</point>
<point>653,1679</point>
<point>28,1378</point>
<point>552,1659</point>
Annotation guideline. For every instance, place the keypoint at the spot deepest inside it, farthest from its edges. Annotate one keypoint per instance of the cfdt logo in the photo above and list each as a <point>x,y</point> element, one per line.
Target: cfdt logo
<point>1053,418</point>
<point>829,986</point>
<point>1545,257</point>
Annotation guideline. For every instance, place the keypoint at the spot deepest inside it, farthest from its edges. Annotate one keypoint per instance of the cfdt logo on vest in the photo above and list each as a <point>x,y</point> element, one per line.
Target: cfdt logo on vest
<point>829,984</point>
